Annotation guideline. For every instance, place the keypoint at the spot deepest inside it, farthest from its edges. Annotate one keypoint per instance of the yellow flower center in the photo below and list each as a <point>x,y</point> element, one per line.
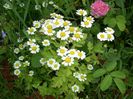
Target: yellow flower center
<point>51,62</point>
<point>72,52</point>
<point>68,60</point>
<point>82,77</point>
<point>109,36</point>
<point>49,26</point>
<point>102,36</point>
<point>34,48</point>
<point>71,29</point>
<point>65,23</point>
<point>62,34</point>
<point>56,23</point>
<point>62,50</point>
<point>50,30</point>
<point>86,22</point>
<point>89,18</point>
<point>81,12</point>
<point>17,64</point>
<point>31,30</point>
<point>77,35</point>
<point>80,54</point>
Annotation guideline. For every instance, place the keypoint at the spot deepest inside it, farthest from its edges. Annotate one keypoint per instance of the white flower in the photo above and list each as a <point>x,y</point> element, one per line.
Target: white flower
<point>46,42</point>
<point>63,35</point>
<point>58,22</point>
<point>34,48</point>
<point>55,66</point>
<point>42,61</point>
<point>31,73</point>
<point>31,30</point>
<point>67,23</point>
<point>26,63</point>
<point>7,6</point>
<point>44,4</point>
<point>48,26</point>
<point>56,6</point>
<point>51,2</point>
<point>81,12</point>
<point>17,64</point>
<point>31,41</point>
<point>37,7</point>
<point>76,74</point>
<point>86,24</point>
<point>90,18</point>
<point>67,61</point>
<point>109,30</point>
<point>21,58</point>
<point>49,32</point>
<point>82,77</point>
<point>77,36</point>
<point>16,50</point>
<point>102,36</point>
<point>21,46</point>
<point>62,51</point>
<point>21,4</point>
<point>36,24</point>
<point>110,37</point>
<point>71,29</point>
<point>51,62</point>
<point>72,53</point>
<point>81,55</point>
<point>75,88</point>
<point>90,67</point>
<point>17,72</point>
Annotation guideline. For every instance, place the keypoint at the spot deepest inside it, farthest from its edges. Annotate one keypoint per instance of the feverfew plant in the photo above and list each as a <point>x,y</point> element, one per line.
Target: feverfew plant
<point>54,57</point>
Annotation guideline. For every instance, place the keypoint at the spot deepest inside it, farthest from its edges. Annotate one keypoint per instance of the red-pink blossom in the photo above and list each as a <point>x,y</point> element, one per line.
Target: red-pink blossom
<point>99,8</point>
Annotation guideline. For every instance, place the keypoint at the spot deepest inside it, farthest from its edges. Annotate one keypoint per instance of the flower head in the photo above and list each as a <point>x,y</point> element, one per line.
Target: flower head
<point>55,66</point>
<point>34,48</point>
<point>51,62</point>
<point>75,88</point>
<point>17,64</point>
<point>81,12</point>
<point>46,42</point>
<point>102,36</point>
<point>17,72</point>
<point>67,61</point>
<point>109,30</point>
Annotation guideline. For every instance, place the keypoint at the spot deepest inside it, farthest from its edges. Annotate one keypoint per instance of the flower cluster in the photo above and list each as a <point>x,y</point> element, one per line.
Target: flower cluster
<point>107,35</point>
<point>81,77</point>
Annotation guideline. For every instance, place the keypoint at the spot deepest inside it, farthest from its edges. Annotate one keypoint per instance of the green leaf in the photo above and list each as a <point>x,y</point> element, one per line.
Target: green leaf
<point>110,21</point>
<point>98,48</point>
<point>99,72</point>
<point>110,65</point>
<point>106,83</point>
<point>35,60</point>
<point>43,89</point>
<point>120,84</point>
<point>121,22</point>
<point>118,74</point>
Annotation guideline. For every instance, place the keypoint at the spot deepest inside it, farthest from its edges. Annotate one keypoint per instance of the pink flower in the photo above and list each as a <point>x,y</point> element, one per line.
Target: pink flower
<point>99,8</point>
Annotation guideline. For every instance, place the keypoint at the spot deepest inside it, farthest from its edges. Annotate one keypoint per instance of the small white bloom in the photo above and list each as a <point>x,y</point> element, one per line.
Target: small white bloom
<point>17,72</point>
<point>37,7</point>
<point>109,30</point>
<point>62,51</point>
<point>44,4</point>
<point>49,32</point>
<point>26,63</point>
<point>31,73</point>
<point>56,6</point>
<point>76,74</point>
<point>31,41</point>
<point>75,88</point>
<point>77,36</point>
<point>90,67</point>
<point>42,61</point>
<point>36,24</point>
<point>7,6</point>
<point>46,42</point>
<point>67,23</point>
<point>31,30</point>
<point>21,4</point>
<point>102,36</point>
<point>110,37</point>
<point>81,12</point>
<point>67,61</point>
<point>81,55</point>
<point>17,64</point>
<point>63,35</point>
<point>58,22</point>
<point>16,50</point>
<point>71,29</point>
<point>90,18</point>
<point>55,66</point>
<point>21,58</point>
<point>34,48</point>
<point>72,53</point>
<point>21,46</point>
<point>82,77</point>
<point>51,2</point>
<point>86,24</point>
<point>51,62</point>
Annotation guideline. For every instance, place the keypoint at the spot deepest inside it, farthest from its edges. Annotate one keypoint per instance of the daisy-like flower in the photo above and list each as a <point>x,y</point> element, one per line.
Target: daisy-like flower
<point>26,63</point>
<point>66,23</point>
<point>55,66</point>
<point>31,73</point>
<point>76,74</point>
<point>58,16</point>
<point>82,77</point>
<point>90,18</point>
<point>16,50</point>
<point>81,55</point>
<point>49,32</point>
<point>45,42</point>
<point>17,72</point>
<point>90,67</point>
<point>110,37</point>
<point>62,51</point>
<point>72,53</point>
<point>86,24</point>
<point>17,64</point>
<point>21,46</point>
<point>51,62</point>
<point>81,12</point>
<point>77,36</point>
<point>63,35</point>
<point>36,24</point>
<point>21,58</point>
<point>49,26</point>
<point>71,29</point>
<point>109,30</point>
<point>75,88</point>
<point>102,36</point>
<point>34,48</point>
<point>31,30</point>
<point>67,61</point>
<point>31,41</point>
<point>58,22</point>
<point>42,61</point>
